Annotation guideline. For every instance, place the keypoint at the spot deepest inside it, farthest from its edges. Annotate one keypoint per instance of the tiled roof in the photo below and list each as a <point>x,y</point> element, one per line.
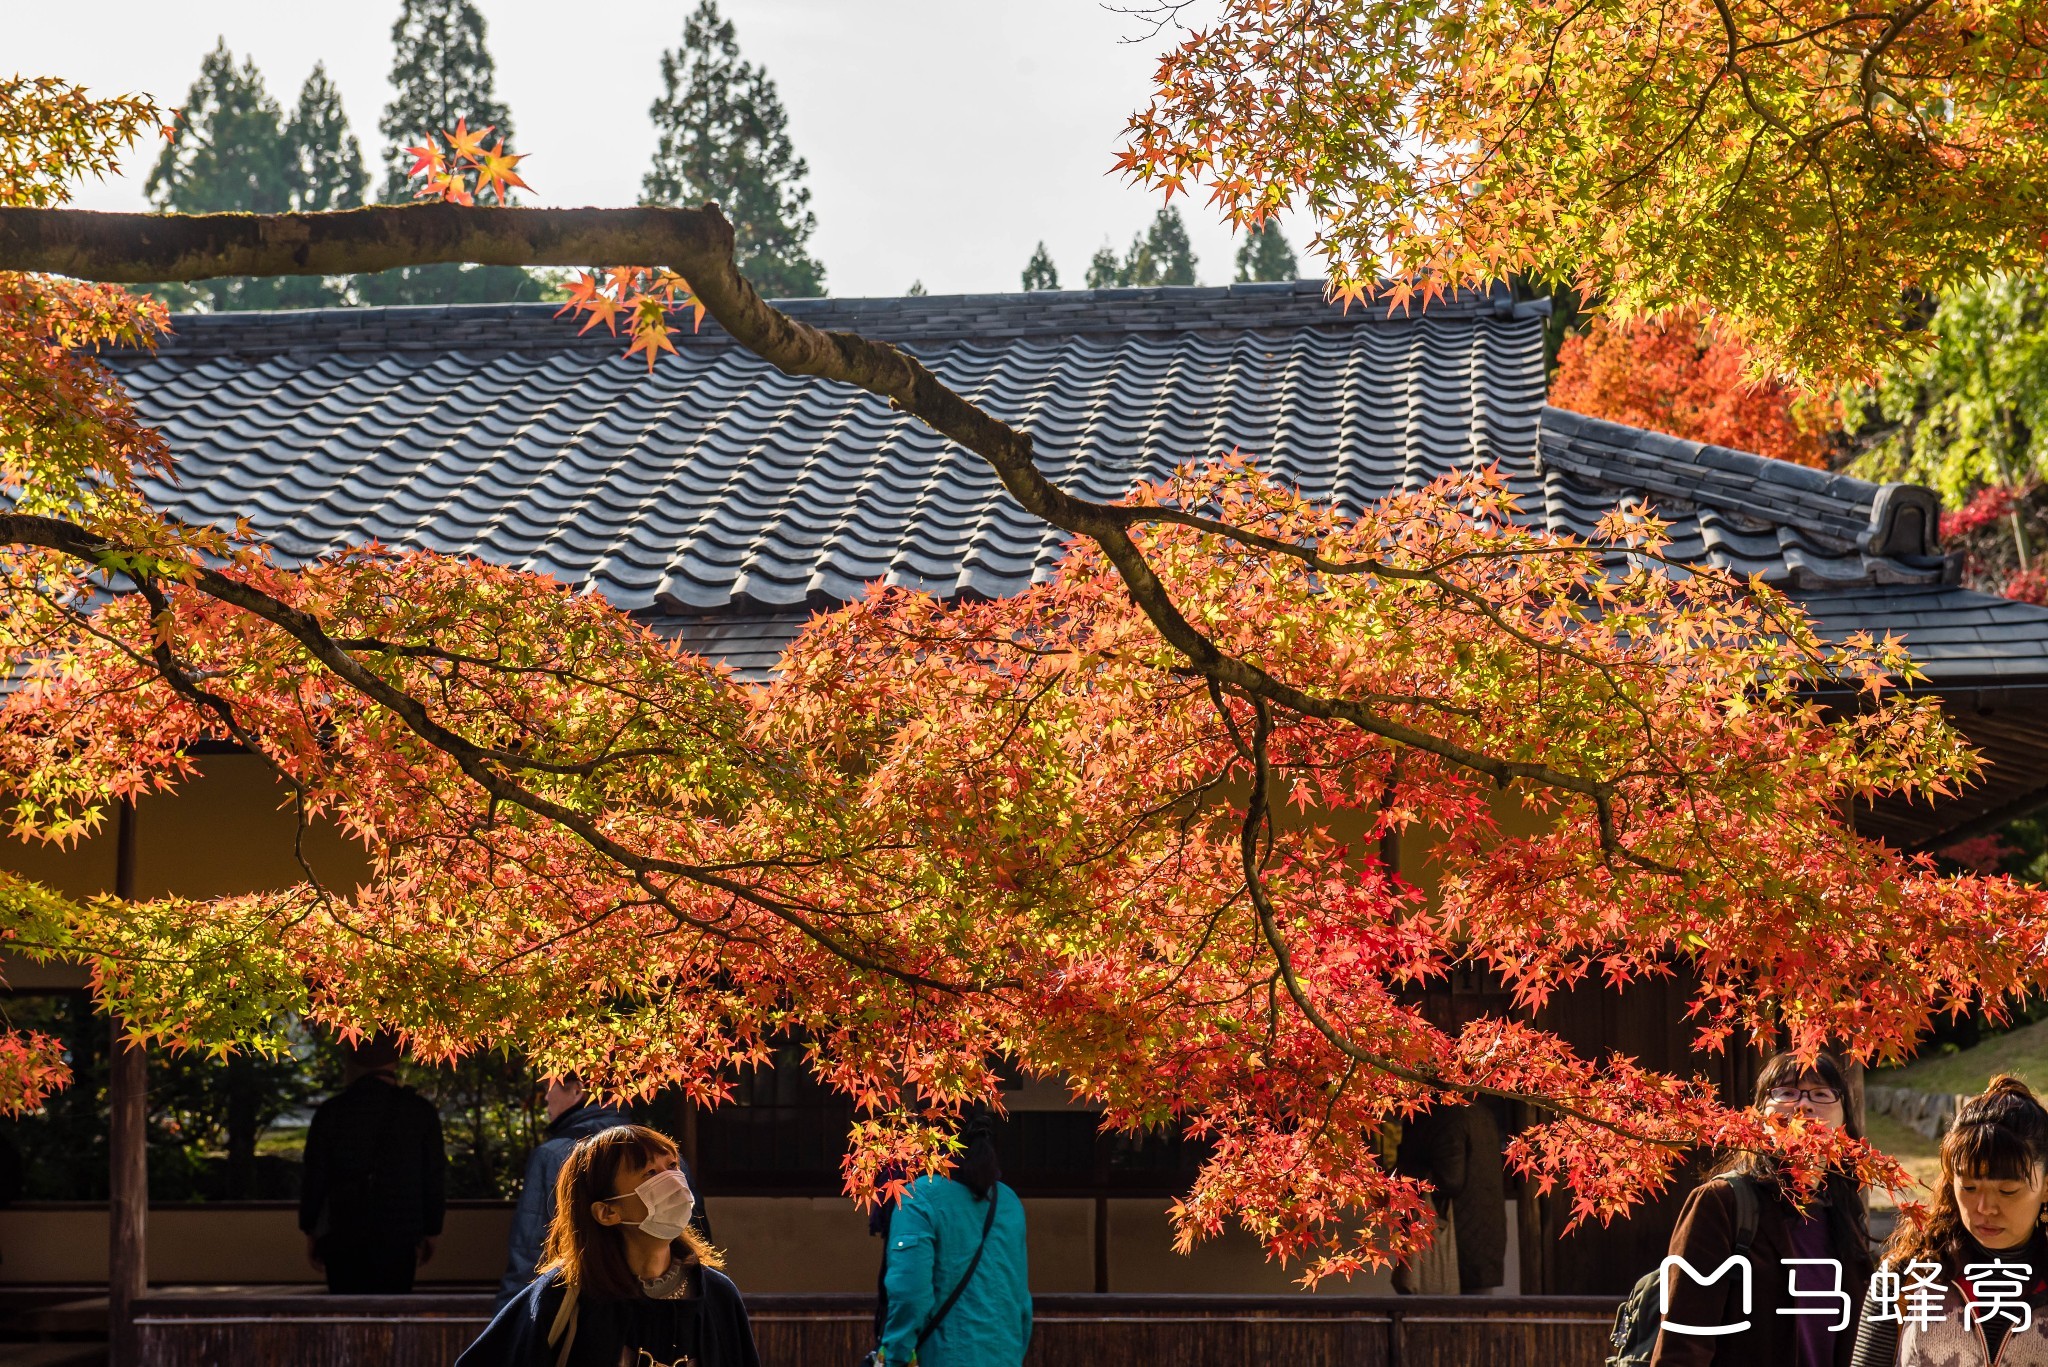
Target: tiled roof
<point>1801,528</point>
<point>718,481</point>
<point>724,497</point>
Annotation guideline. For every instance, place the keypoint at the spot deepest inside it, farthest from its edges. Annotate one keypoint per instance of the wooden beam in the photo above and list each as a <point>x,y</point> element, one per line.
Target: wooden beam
<point>127,1148</point>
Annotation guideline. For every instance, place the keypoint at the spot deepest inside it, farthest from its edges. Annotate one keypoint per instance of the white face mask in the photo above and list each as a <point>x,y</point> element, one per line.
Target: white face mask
<point>669,1205</point>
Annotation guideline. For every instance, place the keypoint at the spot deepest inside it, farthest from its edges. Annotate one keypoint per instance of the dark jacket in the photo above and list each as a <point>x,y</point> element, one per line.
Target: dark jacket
<point>517,1335</point>
<point>1457,1150</point>
<point>374,1168</point>
<point>1705,1238</point>
<point>536,1208</point>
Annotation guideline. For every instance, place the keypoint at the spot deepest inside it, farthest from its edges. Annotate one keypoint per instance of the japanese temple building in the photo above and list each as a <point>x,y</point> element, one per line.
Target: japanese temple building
<point>724,502</point>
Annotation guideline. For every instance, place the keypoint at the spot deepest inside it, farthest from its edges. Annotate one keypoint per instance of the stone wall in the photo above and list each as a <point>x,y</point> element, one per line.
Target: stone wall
<point>1927,1113</point>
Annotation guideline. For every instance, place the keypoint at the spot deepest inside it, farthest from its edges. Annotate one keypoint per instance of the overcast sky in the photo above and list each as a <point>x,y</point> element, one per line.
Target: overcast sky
<point>945,137</point>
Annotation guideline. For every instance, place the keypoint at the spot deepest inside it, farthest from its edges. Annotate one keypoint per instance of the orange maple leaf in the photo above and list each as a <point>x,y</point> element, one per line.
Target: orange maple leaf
<point>447,185</point>
<point>466,144</point>
<point>426,159</point>
<point>602,309</point>
<point>1349,293</point>
<point>494,168</point>
<point>650,333</point>
<point>581,290</point>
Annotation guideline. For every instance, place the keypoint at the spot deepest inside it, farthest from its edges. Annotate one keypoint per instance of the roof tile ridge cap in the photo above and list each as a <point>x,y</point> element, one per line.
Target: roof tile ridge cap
<point>1849,488</point>
<point>289,329</point>
<point>1903,518</point>
<point>1265,304</point>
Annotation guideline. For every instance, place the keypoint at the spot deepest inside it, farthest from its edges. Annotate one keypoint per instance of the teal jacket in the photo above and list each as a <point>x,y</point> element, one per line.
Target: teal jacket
<point>932,1238</point>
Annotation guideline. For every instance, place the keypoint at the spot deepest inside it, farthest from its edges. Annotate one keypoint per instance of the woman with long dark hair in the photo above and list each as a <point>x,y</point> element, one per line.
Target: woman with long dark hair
<point>625,1281</point>
<point>1745,1196</point>
<point>955,1274</point>
<point>1987,1210</point>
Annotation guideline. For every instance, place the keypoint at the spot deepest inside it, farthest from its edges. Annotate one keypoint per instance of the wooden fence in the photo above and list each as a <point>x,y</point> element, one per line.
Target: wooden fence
<point>230,1327</point>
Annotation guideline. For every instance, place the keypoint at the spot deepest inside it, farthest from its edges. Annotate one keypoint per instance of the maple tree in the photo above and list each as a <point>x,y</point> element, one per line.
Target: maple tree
<point>1683,375</point>
<point>1091,830</point>
<point>1994,534</point>
<point>1800,168</point>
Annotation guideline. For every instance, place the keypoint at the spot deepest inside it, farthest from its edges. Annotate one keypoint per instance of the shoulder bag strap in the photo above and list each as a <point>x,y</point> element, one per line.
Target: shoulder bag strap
<point>564,1327</point>
<point>988,1223</point>
<point>1745,1208</point>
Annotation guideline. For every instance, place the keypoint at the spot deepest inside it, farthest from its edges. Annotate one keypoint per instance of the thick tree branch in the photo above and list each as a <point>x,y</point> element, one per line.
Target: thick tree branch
<point>137,248</point>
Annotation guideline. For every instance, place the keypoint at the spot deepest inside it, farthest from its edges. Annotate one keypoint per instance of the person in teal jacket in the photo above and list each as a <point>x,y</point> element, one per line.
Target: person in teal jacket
<point>933,1236</point>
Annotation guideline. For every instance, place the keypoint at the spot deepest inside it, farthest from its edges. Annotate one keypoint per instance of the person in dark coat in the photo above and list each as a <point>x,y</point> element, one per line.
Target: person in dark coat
<point>572,1116</point>
<point>376,1178</point>
<point>624,1277</point>
<point>1457,1150</point>
<point>1832,1226</point>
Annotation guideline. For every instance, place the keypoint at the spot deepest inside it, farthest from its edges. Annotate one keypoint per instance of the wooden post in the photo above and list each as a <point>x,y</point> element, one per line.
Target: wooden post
<point>1101,1212</point>
<point>127,1148</point>
<point>1101,1244</point>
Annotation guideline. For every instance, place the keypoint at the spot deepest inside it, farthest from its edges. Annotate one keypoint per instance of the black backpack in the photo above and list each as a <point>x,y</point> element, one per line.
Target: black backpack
<point>1641,1316</point>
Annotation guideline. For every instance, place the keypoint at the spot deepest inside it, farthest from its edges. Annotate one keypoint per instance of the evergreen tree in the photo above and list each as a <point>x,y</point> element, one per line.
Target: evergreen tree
<point>441,72</point>
<point>1265,255</point>
<point>916,290</point>
<point>325,168</point>
<point>1104,271</point>
<point>1161,255</point>
<point>723,136</point>
<point>228,153</point>
<point>1039,272</point>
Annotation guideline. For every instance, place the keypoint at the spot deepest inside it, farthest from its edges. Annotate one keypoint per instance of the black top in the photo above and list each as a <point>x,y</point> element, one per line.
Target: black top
<point>665,1324</point>
<point>1457,1150</point>
<point>707,1324</point>
<point>375,1169</point>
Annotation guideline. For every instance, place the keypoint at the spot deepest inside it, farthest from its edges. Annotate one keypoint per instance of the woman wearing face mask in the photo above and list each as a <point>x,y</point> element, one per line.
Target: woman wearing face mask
<point>625,1281</point>
<point>1987,1209</point>
<point>1831,1226</point>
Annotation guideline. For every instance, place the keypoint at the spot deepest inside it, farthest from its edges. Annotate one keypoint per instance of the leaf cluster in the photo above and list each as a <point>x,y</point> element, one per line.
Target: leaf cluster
<point>1805,170</point>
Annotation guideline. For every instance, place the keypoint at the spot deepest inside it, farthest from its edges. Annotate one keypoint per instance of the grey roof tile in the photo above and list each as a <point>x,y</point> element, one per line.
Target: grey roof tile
<point>718,485</point>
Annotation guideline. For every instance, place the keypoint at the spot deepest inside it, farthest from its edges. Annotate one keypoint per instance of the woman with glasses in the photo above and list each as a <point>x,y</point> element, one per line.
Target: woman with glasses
<point>1968,1284</point>
<point>1744,1195</point>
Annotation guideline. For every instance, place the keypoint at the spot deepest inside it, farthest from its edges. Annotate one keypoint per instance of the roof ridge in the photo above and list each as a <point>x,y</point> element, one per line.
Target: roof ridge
<point>1890,518</point>
<point>927,318</point>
